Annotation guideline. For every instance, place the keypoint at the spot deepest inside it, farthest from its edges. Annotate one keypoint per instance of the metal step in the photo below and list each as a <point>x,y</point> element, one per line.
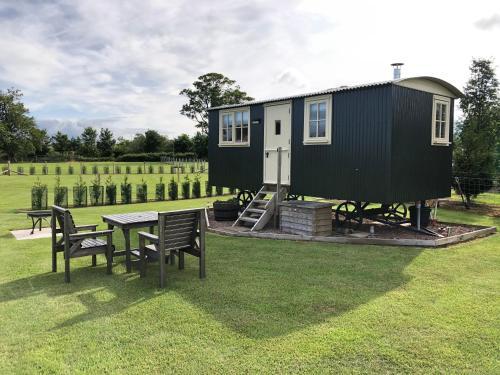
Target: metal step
<point>249,219</point>
<point>256,210</point>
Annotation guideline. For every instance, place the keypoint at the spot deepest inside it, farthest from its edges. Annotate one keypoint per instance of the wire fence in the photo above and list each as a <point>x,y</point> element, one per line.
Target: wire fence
<point>485,188</point>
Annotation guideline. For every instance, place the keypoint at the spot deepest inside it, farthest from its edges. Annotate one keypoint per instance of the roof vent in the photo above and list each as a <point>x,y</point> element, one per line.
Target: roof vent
<point>396,70</point>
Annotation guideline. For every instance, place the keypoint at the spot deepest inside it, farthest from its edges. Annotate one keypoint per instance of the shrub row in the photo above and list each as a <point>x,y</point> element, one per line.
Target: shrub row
<point>117,169</point>
<point>96,194</point>
<point>153,156</point>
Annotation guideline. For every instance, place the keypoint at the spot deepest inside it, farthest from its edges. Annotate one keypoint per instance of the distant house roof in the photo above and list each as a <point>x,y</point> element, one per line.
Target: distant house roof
<point>423,83</point>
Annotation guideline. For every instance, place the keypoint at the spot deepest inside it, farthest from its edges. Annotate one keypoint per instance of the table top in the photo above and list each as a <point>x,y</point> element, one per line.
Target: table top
<point>132,218</point>
<point>39,213</point>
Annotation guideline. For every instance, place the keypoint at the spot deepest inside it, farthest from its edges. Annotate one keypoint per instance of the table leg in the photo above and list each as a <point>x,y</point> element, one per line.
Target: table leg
<point>33,225</point>
<point>40,225</point>
<point>126,234</point>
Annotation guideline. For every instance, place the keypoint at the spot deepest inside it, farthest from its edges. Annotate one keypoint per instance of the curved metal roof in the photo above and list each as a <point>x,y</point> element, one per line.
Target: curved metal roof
<point>445,84</point>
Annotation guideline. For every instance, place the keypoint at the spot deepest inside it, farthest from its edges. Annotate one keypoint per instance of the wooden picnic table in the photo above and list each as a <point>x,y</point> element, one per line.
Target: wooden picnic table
<point>125,222</point>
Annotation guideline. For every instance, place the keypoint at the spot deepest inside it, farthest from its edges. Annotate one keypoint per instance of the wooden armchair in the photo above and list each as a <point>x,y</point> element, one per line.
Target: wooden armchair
<point>179,232</point>
<point>75,243</point>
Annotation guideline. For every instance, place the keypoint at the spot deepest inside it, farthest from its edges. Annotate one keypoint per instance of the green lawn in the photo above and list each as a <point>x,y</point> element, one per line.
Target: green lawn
<point>265,306</point>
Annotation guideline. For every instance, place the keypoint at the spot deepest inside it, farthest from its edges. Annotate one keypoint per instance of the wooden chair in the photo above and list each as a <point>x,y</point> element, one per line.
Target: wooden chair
<point>179,232</point>
<point>75,243</point>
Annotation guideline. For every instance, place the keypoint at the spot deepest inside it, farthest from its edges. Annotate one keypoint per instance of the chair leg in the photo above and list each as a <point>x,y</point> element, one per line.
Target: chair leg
<point>142,253</point>
<point>54,261</point>
<point>162,268</point>
<point>94,260</point>
<point>172,259</point>
<point>202,265</point>
<point>66,270</point>
<point>109,259</point>
<point>181,260</point>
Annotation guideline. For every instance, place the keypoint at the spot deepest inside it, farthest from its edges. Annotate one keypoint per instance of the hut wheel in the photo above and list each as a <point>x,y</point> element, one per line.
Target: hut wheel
<point>244,198</point>
<point>396,213</point>
<point>348,215</point>
<point>292,197</point>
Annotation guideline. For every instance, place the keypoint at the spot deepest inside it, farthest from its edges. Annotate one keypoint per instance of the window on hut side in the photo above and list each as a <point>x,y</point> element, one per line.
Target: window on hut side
<point>317,124</point>
<point>235,128</point>
<point>440,120</point>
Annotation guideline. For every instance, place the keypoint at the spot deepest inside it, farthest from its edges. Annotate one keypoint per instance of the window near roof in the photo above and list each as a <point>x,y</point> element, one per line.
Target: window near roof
<point>318,120</point>
<point>441,120</point>
<point>234,126</point>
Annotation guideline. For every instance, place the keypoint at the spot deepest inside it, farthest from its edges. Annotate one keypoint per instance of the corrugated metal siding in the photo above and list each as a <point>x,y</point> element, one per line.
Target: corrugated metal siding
<point>356,166</point>
<point>419,170</point>
<point>238,167</point>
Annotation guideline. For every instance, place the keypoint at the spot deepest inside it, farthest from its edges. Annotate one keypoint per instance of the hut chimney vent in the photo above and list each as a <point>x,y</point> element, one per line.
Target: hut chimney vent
<point>396,70</point>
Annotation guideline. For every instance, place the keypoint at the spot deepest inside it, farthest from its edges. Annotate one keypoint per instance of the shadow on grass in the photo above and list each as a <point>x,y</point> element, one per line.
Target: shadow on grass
<point>257,288</point>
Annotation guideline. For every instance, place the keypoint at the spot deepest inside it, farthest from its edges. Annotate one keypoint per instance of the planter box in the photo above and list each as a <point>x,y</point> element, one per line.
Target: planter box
<point>226,211</point>
<point>306,218</point>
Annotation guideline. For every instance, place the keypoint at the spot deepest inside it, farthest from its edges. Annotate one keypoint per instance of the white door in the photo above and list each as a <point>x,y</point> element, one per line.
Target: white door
<point>277,133</point>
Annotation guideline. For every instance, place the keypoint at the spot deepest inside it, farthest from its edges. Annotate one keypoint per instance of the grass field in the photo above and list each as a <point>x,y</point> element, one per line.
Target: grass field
<point>265,306</point>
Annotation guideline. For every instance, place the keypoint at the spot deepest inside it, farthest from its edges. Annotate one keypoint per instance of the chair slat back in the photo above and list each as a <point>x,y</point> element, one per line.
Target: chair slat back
<point>178,229</point>
<point>64,219</point>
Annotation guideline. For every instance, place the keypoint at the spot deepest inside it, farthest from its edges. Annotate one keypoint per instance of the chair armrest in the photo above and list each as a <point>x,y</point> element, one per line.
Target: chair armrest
<point>149,236</point>
<point>99,233</point>
<point>92,227</point>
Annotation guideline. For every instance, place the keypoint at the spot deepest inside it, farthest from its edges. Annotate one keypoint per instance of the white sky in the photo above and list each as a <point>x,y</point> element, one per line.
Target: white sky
<point>121,64</point>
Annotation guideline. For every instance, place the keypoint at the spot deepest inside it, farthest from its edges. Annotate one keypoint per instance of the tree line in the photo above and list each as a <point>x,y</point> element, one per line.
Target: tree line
<point>92,143</point>
<point>20,138</point>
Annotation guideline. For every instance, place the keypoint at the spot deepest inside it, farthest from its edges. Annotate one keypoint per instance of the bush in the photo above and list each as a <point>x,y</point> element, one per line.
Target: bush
<point>39,196</point>
<point>60,194</point>
<point>202,167</point>
<point>110,191</point>
<point>95,169</point>
<point>219,190</point>
<point>118,169</point>
<point>106,169</point>
<point>83,169</point>
<point>151,169</point>
<point>32,170</point>
<point>208,190</point>
<point>20,170</point>
<point>232,191</point>
<point>58,170</point>
<point>196,187</point>
<point>160,191</point>
<point>126,191</point>
<point>45,169</point>
<point>127,169</point>
<point>139,169</point>
<point>96,192</point>
<point>173,190</point>
<point>185,188</point>
<point>142,192</point>
<point>80,193</point>
<point>71,169</point>
<point>191,168</point>
<point>161,169</point>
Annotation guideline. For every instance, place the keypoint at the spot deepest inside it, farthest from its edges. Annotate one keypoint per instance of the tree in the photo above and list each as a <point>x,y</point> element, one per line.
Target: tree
<point>153,141</point>
<point>477,134</point>
<point>88,146</point>
<point>60,142</point>
<point>210,90</point>
<point>41,141</point>
<point>105,143</point>
<point>18,130</point>
<point>183,144</point>
<point>200,145</point>
<point>74,144</point>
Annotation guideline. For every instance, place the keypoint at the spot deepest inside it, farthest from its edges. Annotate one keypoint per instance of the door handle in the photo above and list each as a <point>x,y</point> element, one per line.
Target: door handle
<point>267,154</point>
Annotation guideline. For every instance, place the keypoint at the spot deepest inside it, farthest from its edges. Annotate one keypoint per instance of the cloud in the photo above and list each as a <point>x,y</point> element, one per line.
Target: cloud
<point>122,64</point>
<point>488,23</point>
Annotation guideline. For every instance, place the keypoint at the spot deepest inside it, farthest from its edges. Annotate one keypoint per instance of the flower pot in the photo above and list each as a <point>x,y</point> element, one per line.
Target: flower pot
<point>226,211</point>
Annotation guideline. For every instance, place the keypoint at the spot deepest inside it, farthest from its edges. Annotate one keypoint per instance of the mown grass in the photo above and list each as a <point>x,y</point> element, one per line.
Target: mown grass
<point>265,306</point>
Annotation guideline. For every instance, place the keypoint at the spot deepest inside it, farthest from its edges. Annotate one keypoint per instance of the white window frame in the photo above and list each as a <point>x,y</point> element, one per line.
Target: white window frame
<point>232,113</point>
<point>439,141</point>
<point>327,139</point>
